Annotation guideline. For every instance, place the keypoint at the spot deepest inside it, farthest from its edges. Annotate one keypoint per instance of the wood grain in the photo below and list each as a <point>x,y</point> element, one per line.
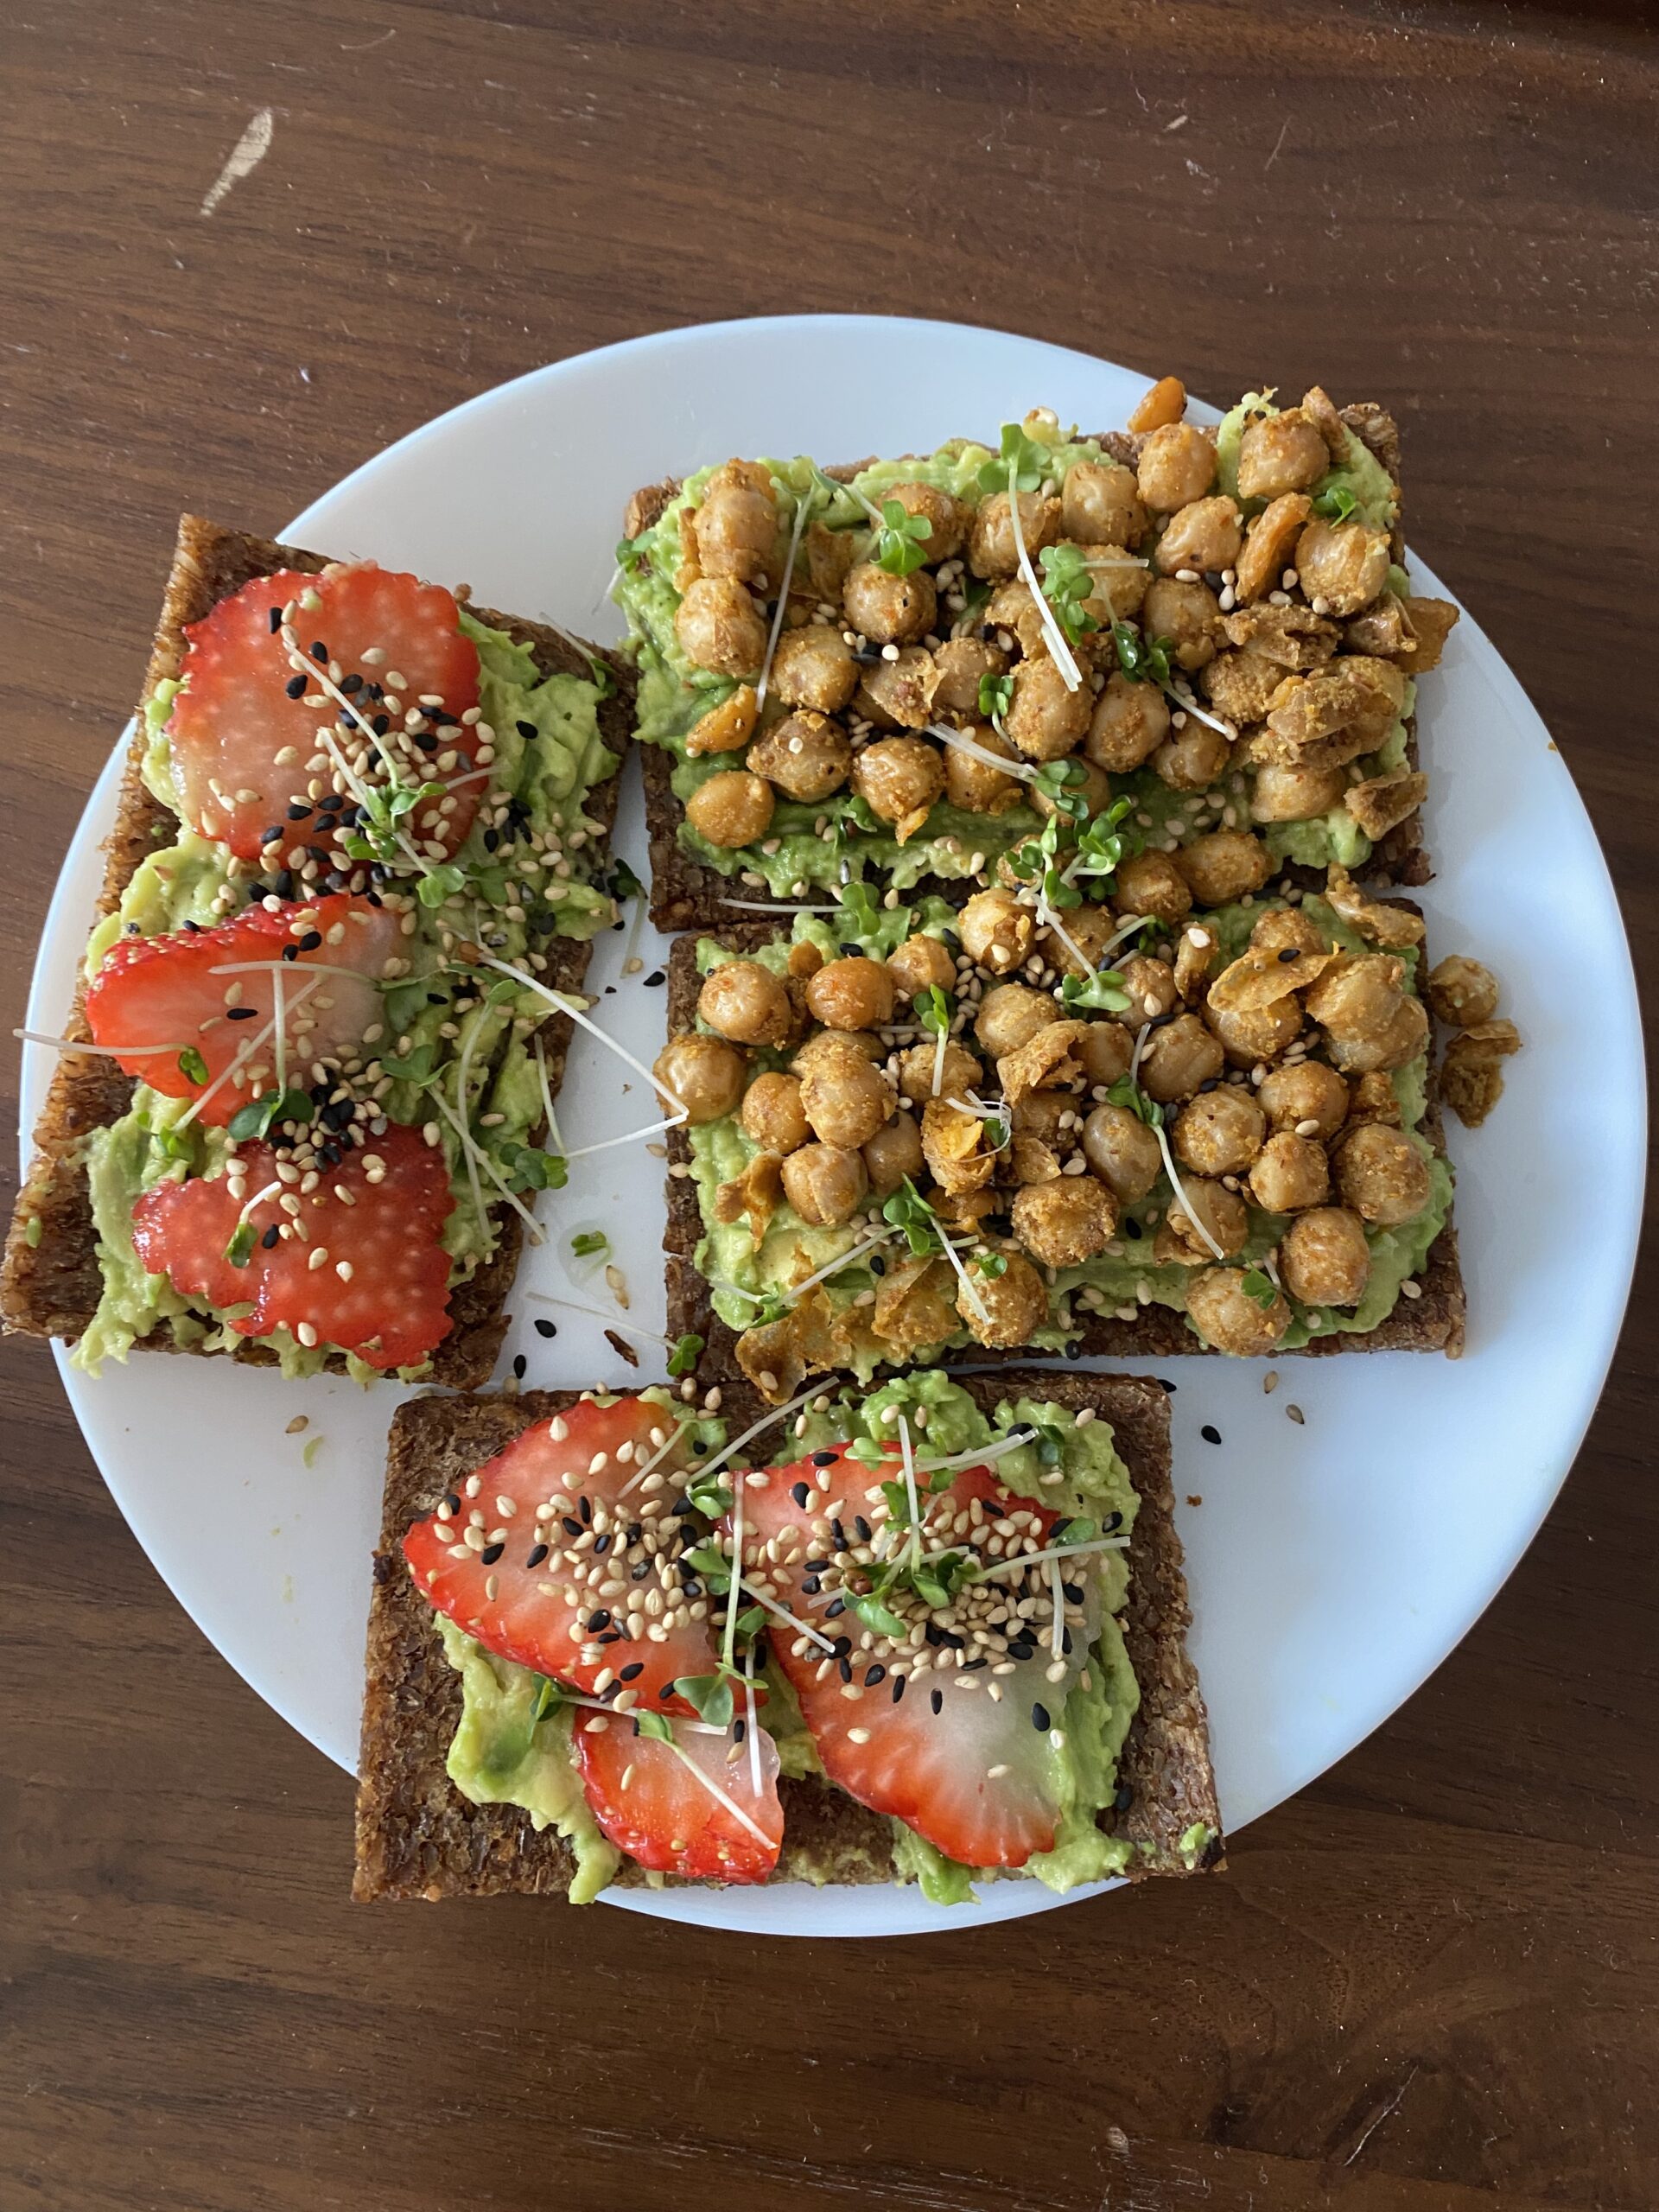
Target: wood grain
<point>1431,1981</point>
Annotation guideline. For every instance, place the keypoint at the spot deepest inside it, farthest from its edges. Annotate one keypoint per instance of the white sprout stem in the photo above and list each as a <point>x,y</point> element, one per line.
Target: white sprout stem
<point>634,1136</point>
<point>258,1199</point>
<point>834,1267</point>
<point>1018,769</point>
<point>648,1466</point>
<point>940,1042</point>
<point>912,1495</point>
<point>287,967</point>
<point>326,685</point>
<point>968,1289</point>
<point>1191,707</point>
<point>1187,1206</point>
<point>992,1451</point>
<point>104,1051</point>
<point>1054,1552</point>
<point>784,1614</point>
<point>1057,1609</point>
<point>752,1734</point>
<point>728,1640</point>
<point>1052,920</point>
<point>462,1119</point>
<point>473,1150</point>
<point>784,587</point>
<point>777,906</point>
<point>547,1093</point>
<point>561,1001</point>
<point>714,1790</point>
<point>753,1429</point>
<point>243,1056</point>
<point>279,1005</point>
<point>598,1313</point>
<point>1058,646</point>
<point>1141,1035</point>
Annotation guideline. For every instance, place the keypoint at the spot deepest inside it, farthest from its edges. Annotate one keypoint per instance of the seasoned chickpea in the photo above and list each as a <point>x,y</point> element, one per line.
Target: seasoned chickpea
<point>973,783</point>
<point>703,1074</point>
<point>921,964</point>
<point>1286,929</point>
<point>1343,565</point>
<point>1128,722</point>
<point>1278,794</point>
<point>1065,1222</point>
<point>890,610</point>
<point>825,1184</point>
<point>1101,505</point>
<point>1462,992</point>
<point>991,549</point>
<point>736,526</point>
<point>1203,537</point>
<point>814,668</point>
<point>1151,986</point>
<point>845,1099</point>
<point>1106,1050</point>
<point>1089,929</point>
<point>1122,1151</point>
<point>827,1044</point>
<point>1226,1316</point>
<point>1402,1037</point>
<point>1381,1175</point>
<point>1150,884</point>
<point>947,517</point>
<point>1011,609</point>
<point>806,756</point>
<point>898,693</point>
<point>1039,1113</point>
<point>962,665</point>
<point>958,1072</point>
<point>1190,759</point>
<point>1010,1014</point>
<point>1188,615</point>
<point>1179,1059</point>
<point>1176,466</point>
<point>1220,1133</point>
<point>1117,593</point>
<point>1044,719</point>
<point>893,1153</point>
<point>772,1115</point>
<point>1270,545</point>
<point>1251,1034</point>
<point>1163,402</point>
<point>899,778</point>
<point>851,993</point>
<point>830,555</point>
<point>1223,867</point>
<point>996,930</point>
<point>1293,1097</point>
<point>1092,785</point>
<point>733,808</point>
<point>1222,1212</point>
<point>1291,1174</point>
<point>719,627</point>
<point>747,1002</point>
<point>1324,1259</point>
<point>1285,453</point>
<point>1005,1309</point>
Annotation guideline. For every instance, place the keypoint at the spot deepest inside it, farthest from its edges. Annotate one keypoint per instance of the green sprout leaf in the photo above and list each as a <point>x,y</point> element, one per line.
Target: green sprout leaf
<point>1081,1531</point>
<point>709,1562</point>
<point>712,1496</point>
<point>935,1011</point>
<point>654,1725</point>
<point>438,883</point>
<point>992,1265</point>
<point>547,1697</point>
<point>901,541</point>
<point>1130,1095</point>
<point>254,1119</point>
<point>588,1242</point>
<point>1021,465</point>
<point>1067,583</point>
<point>684,1358</point>
<point>1259,1285</point>
<point>710,1697</point>
<point>1335,504</point>
<point>1065,783</point>
<point>1101,993</point>
<point>1141,660</point>
<point>995,697</point>
<point>192,1066</point>
<point>909,1211</point>
<point>880,1619</point>
<point>526,1168</point>
<point>860,901</point>
<point>239,1250</point>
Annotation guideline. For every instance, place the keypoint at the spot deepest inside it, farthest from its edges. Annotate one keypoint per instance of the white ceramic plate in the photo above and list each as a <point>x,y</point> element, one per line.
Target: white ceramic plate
<point>1331,1564</point>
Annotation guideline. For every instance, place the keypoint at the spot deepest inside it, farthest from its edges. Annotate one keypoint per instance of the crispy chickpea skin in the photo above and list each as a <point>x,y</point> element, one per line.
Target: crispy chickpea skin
<point>921,964</point>
<point>947,517</point>
<point>1176,466</point>
<point>1190,759</point>
<point>1188,615</point>
<point>1220,1133</point>
<point>1122,1152</point>
<point>1251,1034</point>
<point>899,777</point>
<point>972,783</point>
<point>961,1071</point>
<point>1106,1050</point>
<point>1179,1059</point>
<point>996,930</point>
<point>827,1044</point>
<point>1292,1097</point>
<point>814,667</point>
<point>1129,722</point>
<point>1223,867</point>
<point>1063,1223</point>
<point>1044,719</point>
<point>891,610</point>
<point>1381,1175</point>
<point>893,1153</point>
<point>1100,504</point>
<point>963,664</point>
<point>703,1074</point>
<point>1270,545</point>
<point>1286,929</point>
<point>1324,1259</point>
<point>1291,1174</point>
<point>1010,1014</point>
<point>1151,986</point>
<point>1226,1316</point>
<point>806,756</point>
<point>747,1002</point>
<point>736,526</point>
<point>1285,453</point>
<point>1462,992</point>
<point>852,993</point>
<point>1281,794</point>
<point>845,1099</point>
<point>732,808</point>
<point>1343,565</point>
<point>1014,1304</point>
<point>991,549</point>
<point>1205,536</point>
<point>1150,884</point>
<point>772,1115</point>
<point>825,1184</point>
<point>720,627</point>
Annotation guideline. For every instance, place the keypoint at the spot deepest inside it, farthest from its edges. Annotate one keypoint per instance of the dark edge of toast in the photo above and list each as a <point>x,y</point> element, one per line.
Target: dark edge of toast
<point>1433,1321</point>
<point>417,1837</point>
<point>52,1287</point>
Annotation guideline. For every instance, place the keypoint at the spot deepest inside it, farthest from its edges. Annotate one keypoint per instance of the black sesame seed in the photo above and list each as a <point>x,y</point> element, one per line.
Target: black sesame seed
<point>572,1526</point>
<point>811,1585</point>
<point>838,1536</point>
<point>1122,1799</point>
<point>546,1328</point>
<point>842,1646</point>
<point>240,1013</point>
<point>269,1239</point>
<point>319,651</point>
<point>276,620</point>
<point>1112,1521</point>
<point>352,684</point>
<point>641,1572</point>
<point>310,941</point>
<point>1290,952</point>
<point>1209,1434</point>
<point>536,1553</point>
<point>601,1545</point>
<point>800,1493</point>
<point>899,1681</point>
<point>1072,1592</point>
<point>874,1675</point>
<point>585,1507</point>
<point>844,1668</point>
<point>295,687</point>
<point>1166,1386</point>
<point>632,1672</point>
<point>1039,1716</point>
<point>1132,1227</point>
<point>380,724</point>
<point>655,977</point>
<point>599,1620</point>
<point>937,1701</point>
<point>824,1458</point>
<point>491,1553</point>
<point>1074,1352</point>
<point>862,1527</point>
<point>491,839</point>
<point>519,1365</point>
<point>835,1609</point>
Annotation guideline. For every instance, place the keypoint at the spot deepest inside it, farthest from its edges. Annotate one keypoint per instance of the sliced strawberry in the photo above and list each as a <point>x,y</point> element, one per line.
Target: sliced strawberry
<point>241,737</point>
<point>390,1304</point>
<point>568,1561</point>
<point>194,993</point>
<point>971,1769</point>
<point>688,1808</point>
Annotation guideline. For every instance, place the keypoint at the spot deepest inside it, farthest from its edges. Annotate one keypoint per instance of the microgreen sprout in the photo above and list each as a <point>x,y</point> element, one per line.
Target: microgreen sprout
<point>900,543</point>
<point>1257,1286</point>
<point>1335,504</point>
<point>1143,660</point>
<point>588,1241</point>
<point>995,697</point>
<point>259,1114</point>
<point>684,1358</point>
<point>192,1066</point>
<point>1067,583</point>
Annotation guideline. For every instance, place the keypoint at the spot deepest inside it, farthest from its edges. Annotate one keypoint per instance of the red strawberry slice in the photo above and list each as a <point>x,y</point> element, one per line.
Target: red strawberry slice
<point>972,1769</point>
<point>382,1289</point>
<point>688,1806</point>
<point>242,738</point>
<point>200,992</point>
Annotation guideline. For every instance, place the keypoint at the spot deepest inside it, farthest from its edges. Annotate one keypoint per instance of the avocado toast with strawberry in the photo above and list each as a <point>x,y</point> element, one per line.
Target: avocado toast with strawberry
<point>357,863</point>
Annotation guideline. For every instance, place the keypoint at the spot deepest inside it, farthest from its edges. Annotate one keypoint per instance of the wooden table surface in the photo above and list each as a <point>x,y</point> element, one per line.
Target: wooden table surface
<point>1432,1979</point>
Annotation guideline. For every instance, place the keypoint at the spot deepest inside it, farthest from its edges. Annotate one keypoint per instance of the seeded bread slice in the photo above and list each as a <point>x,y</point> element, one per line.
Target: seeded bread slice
<point>50,1281</point>
<point>417,1837</point>
<point>1432,1321</point>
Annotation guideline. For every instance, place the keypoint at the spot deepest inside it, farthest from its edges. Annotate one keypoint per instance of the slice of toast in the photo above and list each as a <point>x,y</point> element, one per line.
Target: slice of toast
<point>50,1281</point>
<point>417,1837</point>
<point>1432,1321</point>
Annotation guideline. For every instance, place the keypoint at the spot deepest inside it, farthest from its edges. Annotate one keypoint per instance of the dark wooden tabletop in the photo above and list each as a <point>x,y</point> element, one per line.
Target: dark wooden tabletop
<point>1430,1980</point>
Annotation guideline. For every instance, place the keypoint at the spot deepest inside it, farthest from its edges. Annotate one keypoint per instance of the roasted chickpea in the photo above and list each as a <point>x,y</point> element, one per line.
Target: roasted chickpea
<point>1294,1098</point>
<point>1065,1222</point>
<point>772,1115</point>
<point>1044,719</point>
<point>1220,1133</point>
<point>827,1044</point>
<point>1280,794</point>
<point>1240,685</point>
<point>1291,1174</point>
<point>1089,928</point>
<point>845,1099</point>
<point>962,665</point>
<point>898,693</point>
<point>958,1071</point>
<point>830,555</point>
<point>703,1075</point>
<point>1283,452</point>
<point>1249,1035</point>
<point>1091,784</point>
<point>747,1002</point>
<point>1343,565</point>
<point>893,1153</point>
<point>1381,1175</point>
<point>1039,1113</point>
<point>1176,466</point>
<point>1223,866</point>
<point>1270,545</point>
<point>733,808</point>
<point>1128,724</point>
<point>1324,1259</point>
<point>1150,884</point>
<point>1101,505</point>
<point>718,627</point>
<point>899,778</point>
<point>806,756</point>
<point>851,993</point>
<point>1286,929</point>
<point>973,783</point>
<point>1010,1014</point>
<point>825,1184</point>
<point>1151,986</point>
<point>1222,1212</point>
<point>947,517</point>
<point>1226,1316</point>
<point>1011,610</point>
<point>1005,1309</point>
<point>1179,1059</point>
<point>1203,537</point>
<point>1122,1151</point>
<point>887,609</point>
<point>1106,1050</point>
<point>1462,992</point>
<point>1190,759</point>
<point>921,964</point>
<point>991,549</point>
<point>996,930</point>
<point>814,668</point>
<point>1188,615</point>
<point>736,526</point>
<point>1401,1038</point>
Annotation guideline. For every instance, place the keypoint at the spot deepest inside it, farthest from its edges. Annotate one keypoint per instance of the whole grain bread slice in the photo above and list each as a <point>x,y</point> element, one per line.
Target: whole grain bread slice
<point>50,1281</point>
<point>418,1837</point>
<point>1431,1320</point>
